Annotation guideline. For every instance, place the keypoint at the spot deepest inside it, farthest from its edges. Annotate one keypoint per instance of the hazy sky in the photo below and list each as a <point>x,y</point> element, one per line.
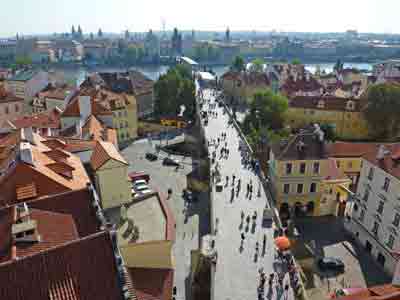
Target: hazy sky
<point>48,16</point>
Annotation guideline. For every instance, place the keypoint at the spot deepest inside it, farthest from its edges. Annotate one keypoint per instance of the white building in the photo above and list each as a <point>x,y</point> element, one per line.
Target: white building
<point>375,215</point>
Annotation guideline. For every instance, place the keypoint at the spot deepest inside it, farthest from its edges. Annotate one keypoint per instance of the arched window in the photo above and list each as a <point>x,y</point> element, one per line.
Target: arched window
<point>321,104</point>
<point>350,105</point>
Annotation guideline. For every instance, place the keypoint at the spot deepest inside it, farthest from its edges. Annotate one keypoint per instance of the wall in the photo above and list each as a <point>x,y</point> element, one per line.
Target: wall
<point>349,125</point>
<point>154,254</point>
<point>15,110</point>
<point>391,207</point>
<point>113,185</point>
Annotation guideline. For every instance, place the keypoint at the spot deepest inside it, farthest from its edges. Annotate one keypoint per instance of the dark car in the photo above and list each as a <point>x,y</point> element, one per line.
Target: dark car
<point>151,156</point>
<point>330,263</point>
<point>170,162</point>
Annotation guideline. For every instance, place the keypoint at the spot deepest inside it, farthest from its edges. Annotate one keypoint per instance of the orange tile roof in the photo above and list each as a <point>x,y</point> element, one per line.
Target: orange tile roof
<point>103,152</point>
<point>351,149</point>
<point>385,291</point>
<point>73,110</point>
<point>59,93</point>
<point>388,164</point>
<point>42,120</point>
<point>47,180</point>
<point>93,128</point>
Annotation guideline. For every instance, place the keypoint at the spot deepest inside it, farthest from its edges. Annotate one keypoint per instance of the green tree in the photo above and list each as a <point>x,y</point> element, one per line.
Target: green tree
<point>296,61</point>
<point>257,65</point>
<point>238,64</point>
<point>330,132</point>
<point>383,110</point>
<point>22,61</point>
<point>267,110</point>
<point>187,96</point>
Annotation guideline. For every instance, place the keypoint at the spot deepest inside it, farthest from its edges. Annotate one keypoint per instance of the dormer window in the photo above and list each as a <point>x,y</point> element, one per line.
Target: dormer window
<point>321,104</point>
<point>350,105</point>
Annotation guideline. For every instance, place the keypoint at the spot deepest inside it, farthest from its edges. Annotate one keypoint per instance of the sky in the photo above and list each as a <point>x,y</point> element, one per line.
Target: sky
<point>49,16</point>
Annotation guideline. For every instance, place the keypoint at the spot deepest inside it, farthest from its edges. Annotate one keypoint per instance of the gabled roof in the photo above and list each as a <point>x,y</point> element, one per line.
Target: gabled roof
<point>81,269</point>
<point>73,110</point>
<point>103,152</point>
<point>351,149</point>
<point>329,103</point>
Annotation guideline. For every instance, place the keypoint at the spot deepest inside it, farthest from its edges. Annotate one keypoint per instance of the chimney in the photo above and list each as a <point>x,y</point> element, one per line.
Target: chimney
<point>25,153</point>
<point>27,135</point>
<point>382,152</point>
<point>85,107</point>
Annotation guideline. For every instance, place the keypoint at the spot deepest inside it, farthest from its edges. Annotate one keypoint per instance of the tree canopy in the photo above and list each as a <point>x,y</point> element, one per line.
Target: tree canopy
<point>174,89</point>
<point>238,64</point>
<point>257,65</point>
<point>383,110</point>
<point>296,61</point>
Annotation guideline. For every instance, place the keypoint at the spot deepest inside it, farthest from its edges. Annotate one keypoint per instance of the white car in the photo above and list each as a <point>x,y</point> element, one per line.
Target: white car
<point>142,189</point>
<point>140,182</point>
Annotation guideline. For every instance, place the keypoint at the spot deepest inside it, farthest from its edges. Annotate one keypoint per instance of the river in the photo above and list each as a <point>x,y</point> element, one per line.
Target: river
<point>154,72</point>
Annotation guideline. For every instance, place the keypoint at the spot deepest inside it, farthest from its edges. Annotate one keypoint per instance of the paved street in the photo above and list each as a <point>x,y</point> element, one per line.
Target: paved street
<point>236,275</point>
<point>331,241</point>
<point>187,231</point>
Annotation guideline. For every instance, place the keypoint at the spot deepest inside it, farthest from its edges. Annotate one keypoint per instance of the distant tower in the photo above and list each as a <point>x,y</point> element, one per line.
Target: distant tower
<point>193,35</point>
<point>228,35</point>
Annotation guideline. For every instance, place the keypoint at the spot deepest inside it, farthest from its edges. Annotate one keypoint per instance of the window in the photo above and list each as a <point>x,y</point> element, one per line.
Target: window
<point>366,195</point>
<point>321,104</point>
<point>316,167</point>
<point>371,173</point>
<point>396,220</point>
<point>350,105</point>
<point>349,164</point>
<point>286,188</point>
<point>386,184</point>
<point>362,215</point>
<point>16,108</point>
<point>390,241</point>
<point>302,168</point>
<point>288,169</point>
<point>300,188</point>
<point>313,187</point>
<point>125,113</point>
<point>126,124</point>
<point>375,228</point>
<point>338,163</point>
<point>380,207</point>
<point>121,125</point>
<point>6,110</point>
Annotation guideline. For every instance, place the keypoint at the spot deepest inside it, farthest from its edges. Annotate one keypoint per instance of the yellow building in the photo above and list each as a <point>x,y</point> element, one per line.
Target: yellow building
<point>110,175</point>
<point>241,86</point>
<point>303,178</point>
<point>345,114</point>
<point>348,157</point>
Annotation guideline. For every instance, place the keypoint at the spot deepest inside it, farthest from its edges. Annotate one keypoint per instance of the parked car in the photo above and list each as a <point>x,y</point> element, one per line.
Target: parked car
<point>139,175</point>
<point>140,182</point>
<point>142,189</point>
<point>330,263</point>
<point>171,162</point>
<point>151,156</point>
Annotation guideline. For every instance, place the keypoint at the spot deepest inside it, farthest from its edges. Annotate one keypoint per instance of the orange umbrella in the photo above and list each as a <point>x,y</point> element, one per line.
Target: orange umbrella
<point>282,242</point>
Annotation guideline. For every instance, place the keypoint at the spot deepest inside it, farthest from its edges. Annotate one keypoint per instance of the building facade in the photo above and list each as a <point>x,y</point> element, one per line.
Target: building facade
<point>344,114</point>
<point>305,182</point>
<point>375,215</point>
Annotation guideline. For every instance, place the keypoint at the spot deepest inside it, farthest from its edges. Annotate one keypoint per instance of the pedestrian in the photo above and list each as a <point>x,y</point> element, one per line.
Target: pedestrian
<point>242,236</point>
<point>233,178</point>
<point>257,247</point>
<point>227,179</point>
<point>248,219</point>
<point>242,214</point>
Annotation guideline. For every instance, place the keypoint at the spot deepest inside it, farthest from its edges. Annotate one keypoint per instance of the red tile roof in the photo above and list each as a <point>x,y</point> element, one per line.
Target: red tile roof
<point>301,85</point>
<point>388,164</point>
<point>53,228</point>
<point>248,78</point>
<point>42,120</point>
<point>103,152</point>
<point>78,204</point>
<point>81,269</point>
<point>152,284</point>
<point>381,292</point>
<point>59,93</point>
<point>73,110</point>
<point>351,149</point>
